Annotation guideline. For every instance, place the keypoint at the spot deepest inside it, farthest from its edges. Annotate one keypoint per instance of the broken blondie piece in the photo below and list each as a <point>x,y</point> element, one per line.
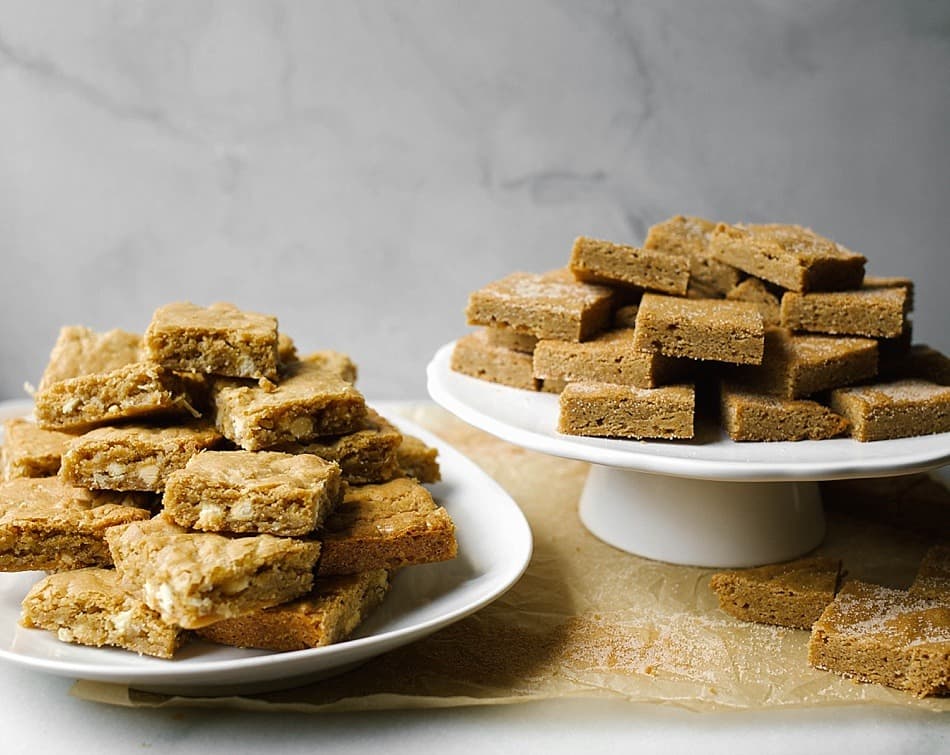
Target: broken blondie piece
<point>253,492</point>
<point>596,261</point>
<point>789,256</point>
<point>875,312</point>
<point>876,634</point>
<point>756,417</point>
<point>900,409</point>
<point>311,400</point>
<point>476,356</point>
<point>541,306</point>
<point>725,331</point>
<point>134,457</point>
<point>792,594</point>
<point>46,525</point>
<point>30,451</point>
<point>609,358</point>
<point>216,340</point>
<point>622,411</point>
<point>329,613</point>
<point>136,390</point>
<point>196,578</point>
<point>90,607</point>
<point>384,527</point>
<point>80,351</point>
<point>689,237</point>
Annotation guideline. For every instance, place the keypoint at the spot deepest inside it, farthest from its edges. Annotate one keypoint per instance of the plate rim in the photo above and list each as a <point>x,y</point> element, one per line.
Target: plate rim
<point>190,672</point>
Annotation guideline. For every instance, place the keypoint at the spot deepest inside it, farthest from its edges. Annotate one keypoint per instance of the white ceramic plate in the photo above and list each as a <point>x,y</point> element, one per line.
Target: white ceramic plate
<point>494,550</point>
<point>529,419</point>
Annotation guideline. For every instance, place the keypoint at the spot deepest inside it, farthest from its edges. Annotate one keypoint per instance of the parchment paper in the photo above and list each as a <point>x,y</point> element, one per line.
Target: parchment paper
<point>589,620</point>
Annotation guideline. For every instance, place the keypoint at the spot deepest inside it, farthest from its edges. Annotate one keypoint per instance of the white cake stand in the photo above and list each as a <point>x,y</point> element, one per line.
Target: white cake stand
<point>706,502</point>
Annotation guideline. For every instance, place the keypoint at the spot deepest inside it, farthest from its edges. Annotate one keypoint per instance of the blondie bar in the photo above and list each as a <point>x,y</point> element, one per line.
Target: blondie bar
<point>609,358</point>
<point>596,261</point>
<point>336,362</point>
<point>725,331</point>
<point>876,634</point>
<point>689,237</point>
<point>418,460</point>
<point>877,281</point>
<point>476,356</point>
<point>311,400</point>
<point>136,390</point>
<point>30,451</point>
<point>47,525</point>
<point>757,417</point>
<point>385,526</point>
<point>216,340</point>
<point>329,613</point>
<point>790,256</point>
<point>253,492</point>
<point>933,575</point>
<point>80,351</point>
<point>791,594</point>
<point>622,411</point>
<point>134,457</point>
<point>894,410</point>
<point>90,607</point>
<point>541,306</point>
<point>800,365</point>
<point>196,578</point>
<point>874,312</point>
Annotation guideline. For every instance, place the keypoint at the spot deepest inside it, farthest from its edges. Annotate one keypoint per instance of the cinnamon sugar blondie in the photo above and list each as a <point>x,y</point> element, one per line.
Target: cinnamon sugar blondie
<point>622,411</point>
<point>476,356</point>
<point>725,331</point>
<point>791,594</point>
<point>312,399</point>
<point>689,237</point>
<point>385,526</point>
<point>876,634</point>
<point>134,457</point>
<point>219,340</point>
<point>196,578</point>
<point>541,306</point>
<point>50,526</point>
<point>81,351</point>
<point>329,613</point>
<point>596,261</point>
<point>790,256</point>
<point>755,417</point>
<point>29,450</point>
<point>253,492</point>
<point>136,390</point>
<point>90,607</point>
<point>899,409</point>
<point>874,312</point>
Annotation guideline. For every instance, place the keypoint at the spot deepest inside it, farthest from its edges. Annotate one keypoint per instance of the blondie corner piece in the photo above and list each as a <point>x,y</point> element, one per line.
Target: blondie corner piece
<point>544,306</point>
<point>789,256</point>
<point>385,527</point>
<point>90,607</point>
<point>329,613</point>
<point>605,262</point>
<point>876,634</point>
<point>621,411</point>
<point>46,525</point>
<point>80,351</point>
<point>196,578</point>
<point>216,340</point>
<point>791,594</point>
<point>724,331</point>
<point>755,417</point>
<point>30,451</point>
<point>900,409</point>
<point>253,492</point>
<point>476,356</point>
<point>311,400</point>
<point>134,457</point>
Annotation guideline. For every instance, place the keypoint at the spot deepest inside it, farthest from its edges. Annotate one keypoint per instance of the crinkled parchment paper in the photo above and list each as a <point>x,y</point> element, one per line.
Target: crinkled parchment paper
<point>589,620</point>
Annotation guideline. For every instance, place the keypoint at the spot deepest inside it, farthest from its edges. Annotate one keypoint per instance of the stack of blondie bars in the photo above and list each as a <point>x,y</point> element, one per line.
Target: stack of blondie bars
<point>206,480</point>
<point>779,325</point>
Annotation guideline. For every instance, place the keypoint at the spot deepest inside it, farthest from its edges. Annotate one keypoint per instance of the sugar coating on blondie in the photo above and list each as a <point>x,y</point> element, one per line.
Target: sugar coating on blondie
<point>899,409</point>
<point>750,416</point>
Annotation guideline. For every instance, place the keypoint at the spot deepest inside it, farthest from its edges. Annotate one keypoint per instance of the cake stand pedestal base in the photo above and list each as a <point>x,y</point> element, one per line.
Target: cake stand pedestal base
<point>702,522</point>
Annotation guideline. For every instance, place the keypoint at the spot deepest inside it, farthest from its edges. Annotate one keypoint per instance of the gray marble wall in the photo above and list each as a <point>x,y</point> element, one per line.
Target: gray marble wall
<point>358,167</point>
